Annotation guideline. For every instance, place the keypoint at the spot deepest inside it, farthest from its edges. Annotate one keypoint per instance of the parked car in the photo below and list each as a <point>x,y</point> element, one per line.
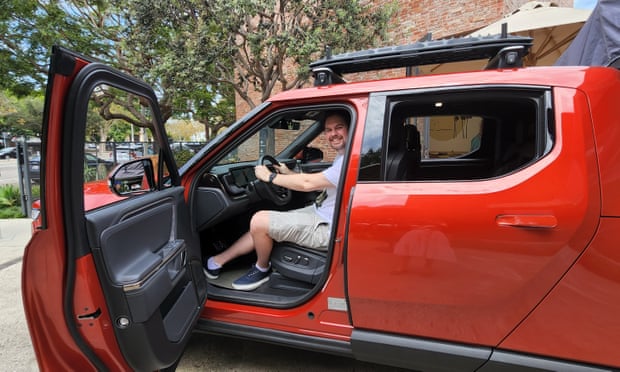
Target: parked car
<point>8,153</point>
<point>93,164</point>
<point>475,227</point>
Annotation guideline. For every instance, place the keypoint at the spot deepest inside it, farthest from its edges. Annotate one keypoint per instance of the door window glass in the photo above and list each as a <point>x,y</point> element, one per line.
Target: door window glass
<point>456,136</point>
<point>287,135</point>
<point>119,129</point>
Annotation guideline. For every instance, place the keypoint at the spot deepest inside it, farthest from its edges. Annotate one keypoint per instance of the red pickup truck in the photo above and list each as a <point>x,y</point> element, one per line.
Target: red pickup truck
<point>476,225</point>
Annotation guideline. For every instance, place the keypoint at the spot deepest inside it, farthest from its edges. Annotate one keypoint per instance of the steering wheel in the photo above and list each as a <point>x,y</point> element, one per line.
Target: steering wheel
<point>278,194</point>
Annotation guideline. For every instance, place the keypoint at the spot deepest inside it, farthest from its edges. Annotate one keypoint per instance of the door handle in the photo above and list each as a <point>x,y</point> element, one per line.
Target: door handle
<point>535,221</point>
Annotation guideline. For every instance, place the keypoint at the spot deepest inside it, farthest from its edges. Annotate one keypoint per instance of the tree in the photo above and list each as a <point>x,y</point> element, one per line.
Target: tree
<point>22,116</point>
<point>195,54</point>
<point>251,45</point>
<point>28,29</point>
<point>98,29</point>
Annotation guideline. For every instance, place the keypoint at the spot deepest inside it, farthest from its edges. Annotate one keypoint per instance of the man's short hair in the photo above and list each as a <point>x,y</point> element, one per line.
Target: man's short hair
<point>343,114</point>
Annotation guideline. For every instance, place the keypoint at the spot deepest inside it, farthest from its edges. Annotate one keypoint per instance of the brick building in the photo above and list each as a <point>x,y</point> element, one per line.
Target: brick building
<point>446,18</point>
<point>414,19</point>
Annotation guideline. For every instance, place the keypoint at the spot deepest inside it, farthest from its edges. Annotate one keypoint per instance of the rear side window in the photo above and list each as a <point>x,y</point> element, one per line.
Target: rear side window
<point>461,135</point>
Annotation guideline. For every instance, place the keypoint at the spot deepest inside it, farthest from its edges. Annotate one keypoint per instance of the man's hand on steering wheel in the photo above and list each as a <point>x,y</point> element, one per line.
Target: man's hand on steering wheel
<point>262,173</point>
<point>283,169</point>
<point>278,194</point>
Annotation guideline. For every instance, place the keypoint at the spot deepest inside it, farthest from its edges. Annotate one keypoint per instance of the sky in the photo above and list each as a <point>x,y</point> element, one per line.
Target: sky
<point>584,4</point>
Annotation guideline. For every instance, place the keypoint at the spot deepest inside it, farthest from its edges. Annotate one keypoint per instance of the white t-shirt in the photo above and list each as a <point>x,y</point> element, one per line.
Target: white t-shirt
<point>326,209</point>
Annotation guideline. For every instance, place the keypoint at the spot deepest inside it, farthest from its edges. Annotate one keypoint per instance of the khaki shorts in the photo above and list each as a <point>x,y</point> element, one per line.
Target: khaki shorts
<point>300,226</point>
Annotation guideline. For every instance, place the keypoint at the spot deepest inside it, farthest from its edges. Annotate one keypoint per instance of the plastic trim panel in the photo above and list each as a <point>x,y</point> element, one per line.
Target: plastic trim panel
<point>298,341</point>
<point>504,361</point>
<point>417,354</point>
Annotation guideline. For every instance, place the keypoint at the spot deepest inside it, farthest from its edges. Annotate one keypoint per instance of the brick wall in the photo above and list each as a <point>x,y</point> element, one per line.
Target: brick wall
<point>442,18</point>
<point>446,18</point>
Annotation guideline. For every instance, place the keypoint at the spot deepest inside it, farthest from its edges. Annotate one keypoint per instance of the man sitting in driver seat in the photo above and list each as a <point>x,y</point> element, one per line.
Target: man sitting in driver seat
<point>309,227</point>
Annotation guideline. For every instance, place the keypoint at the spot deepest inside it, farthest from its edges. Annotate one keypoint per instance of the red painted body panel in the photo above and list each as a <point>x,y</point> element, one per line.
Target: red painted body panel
<point>570,77</point>
<point>97,194</point>
<point>96,330</point>
<point>53,345</point>
<point>429,258</point>
<point>44,266</point>
<point>606,121</point>
<point>580,316</point>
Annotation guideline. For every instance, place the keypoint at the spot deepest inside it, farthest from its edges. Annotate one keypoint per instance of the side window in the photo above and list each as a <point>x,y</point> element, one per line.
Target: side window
<point>274,139</point>
<point>471,135</point>
<point>119,129</point>
<point>293,134</point>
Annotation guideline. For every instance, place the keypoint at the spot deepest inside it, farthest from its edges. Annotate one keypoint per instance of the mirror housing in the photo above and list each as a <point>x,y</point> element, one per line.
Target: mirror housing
<point>132,177</point>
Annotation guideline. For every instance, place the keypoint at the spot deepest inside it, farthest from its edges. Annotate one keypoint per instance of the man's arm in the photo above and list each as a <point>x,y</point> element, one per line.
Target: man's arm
<point>303,182</point>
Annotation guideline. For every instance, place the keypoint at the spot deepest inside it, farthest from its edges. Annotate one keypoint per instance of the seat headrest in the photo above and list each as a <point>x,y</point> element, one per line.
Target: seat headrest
<point>412,138</point>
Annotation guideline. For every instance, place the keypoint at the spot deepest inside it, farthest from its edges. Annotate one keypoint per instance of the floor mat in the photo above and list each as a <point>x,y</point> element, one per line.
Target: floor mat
<point>228,276</point>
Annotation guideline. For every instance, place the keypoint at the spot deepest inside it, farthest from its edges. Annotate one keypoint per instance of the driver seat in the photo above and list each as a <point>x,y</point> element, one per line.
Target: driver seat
<point>296,262</point>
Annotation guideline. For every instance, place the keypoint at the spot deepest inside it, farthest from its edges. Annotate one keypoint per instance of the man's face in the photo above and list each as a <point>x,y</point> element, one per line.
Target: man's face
<point>336,132</point>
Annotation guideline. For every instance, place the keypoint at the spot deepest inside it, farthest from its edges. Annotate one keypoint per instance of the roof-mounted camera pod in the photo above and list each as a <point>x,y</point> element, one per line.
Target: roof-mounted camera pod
<point>502,51</point>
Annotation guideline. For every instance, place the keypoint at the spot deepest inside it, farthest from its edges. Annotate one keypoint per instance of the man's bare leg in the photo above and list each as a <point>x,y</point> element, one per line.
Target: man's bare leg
<point>259,231</point>
<point>243,245</point>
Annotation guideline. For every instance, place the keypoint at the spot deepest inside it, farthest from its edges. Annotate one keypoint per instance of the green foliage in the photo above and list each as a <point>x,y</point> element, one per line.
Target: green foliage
<point>21,116</point>
<point>28,29</point>
<point>181,156</point>
<point>35,191</point>
<point>11,212</point>
<point>90,173</point>
<point>243,44</point>
<point>119,132</point>
<point>197,55</point>
<point>10,202</point>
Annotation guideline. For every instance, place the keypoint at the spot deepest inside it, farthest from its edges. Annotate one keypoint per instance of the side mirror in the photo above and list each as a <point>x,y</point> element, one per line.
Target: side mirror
<point>132,177</point>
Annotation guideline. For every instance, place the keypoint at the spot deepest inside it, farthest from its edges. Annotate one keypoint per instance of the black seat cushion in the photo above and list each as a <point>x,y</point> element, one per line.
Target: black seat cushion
<point>296,262</point>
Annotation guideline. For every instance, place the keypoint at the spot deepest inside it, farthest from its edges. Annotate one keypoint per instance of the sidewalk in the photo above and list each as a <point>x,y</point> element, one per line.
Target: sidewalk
<point>16,353</point>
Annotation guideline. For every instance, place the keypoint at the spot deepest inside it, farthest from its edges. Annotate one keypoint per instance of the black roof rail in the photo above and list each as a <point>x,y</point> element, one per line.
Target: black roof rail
<point>501,50</point>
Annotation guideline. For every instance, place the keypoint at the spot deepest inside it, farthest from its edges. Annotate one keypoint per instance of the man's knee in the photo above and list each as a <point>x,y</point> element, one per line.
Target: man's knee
<point>260,222</point>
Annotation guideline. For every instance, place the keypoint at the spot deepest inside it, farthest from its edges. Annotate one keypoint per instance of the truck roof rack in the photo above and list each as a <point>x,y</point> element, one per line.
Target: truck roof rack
<point>502,51</point>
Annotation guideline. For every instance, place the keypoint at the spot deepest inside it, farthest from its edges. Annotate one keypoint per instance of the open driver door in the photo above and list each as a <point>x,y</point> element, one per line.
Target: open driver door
<point>112,277</point>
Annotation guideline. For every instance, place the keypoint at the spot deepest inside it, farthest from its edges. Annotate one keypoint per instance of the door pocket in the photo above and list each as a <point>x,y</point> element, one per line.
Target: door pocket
<point>176,321</point>
<point>146,295</point>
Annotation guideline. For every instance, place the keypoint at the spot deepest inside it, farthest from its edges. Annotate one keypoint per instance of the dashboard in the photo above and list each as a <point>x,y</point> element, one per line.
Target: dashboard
<point>233,179</point>
<point>241,177</point>
<point>227,190</point>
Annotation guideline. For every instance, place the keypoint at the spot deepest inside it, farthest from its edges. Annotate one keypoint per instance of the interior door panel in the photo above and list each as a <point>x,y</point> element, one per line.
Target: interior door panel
<point>148,237</point>
<point>151,272</point>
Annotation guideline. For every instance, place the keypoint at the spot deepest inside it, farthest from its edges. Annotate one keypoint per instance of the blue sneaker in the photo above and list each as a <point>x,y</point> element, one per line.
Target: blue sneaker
<point>251,280</point>
<point>211,274</point>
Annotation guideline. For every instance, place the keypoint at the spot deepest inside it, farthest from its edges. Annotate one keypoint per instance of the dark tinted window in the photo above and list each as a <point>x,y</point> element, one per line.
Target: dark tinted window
<point>464,135</point>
